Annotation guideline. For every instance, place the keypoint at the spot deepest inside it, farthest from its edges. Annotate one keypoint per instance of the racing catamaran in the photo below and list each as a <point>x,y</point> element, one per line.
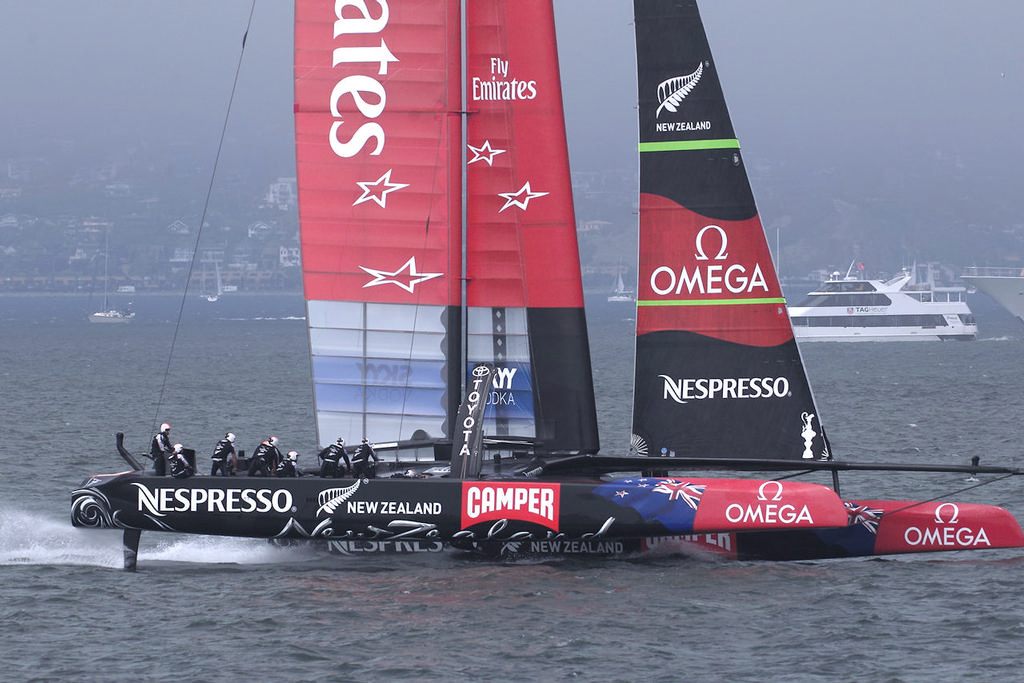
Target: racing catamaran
<point>445,310</point>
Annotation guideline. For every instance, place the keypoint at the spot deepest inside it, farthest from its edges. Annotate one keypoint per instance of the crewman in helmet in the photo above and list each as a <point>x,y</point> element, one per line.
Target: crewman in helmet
<point>225,459</point>
<point>265,458</point>
<point>289,467</point>
<point>160,449</point>
<point>179,464</point>
<point>361,465</point>
<point>332,457</point>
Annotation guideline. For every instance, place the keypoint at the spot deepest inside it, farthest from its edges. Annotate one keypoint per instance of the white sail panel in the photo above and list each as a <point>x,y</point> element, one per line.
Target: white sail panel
<point>499,336</point>
<point>378,369</point>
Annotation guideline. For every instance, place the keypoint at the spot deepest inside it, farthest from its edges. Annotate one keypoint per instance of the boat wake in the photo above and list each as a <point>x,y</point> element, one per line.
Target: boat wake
<point>36,539</point>
<point>222,550</point>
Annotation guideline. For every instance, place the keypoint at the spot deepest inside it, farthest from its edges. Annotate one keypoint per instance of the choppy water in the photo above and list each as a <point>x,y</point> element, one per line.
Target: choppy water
<point>224,609</point>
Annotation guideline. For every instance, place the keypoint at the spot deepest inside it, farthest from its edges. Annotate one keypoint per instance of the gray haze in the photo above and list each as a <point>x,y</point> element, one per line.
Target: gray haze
<point>880,120</point>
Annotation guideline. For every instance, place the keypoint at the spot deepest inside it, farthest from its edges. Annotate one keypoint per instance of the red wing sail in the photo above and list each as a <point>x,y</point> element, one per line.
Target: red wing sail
<point>524,290</point>
<point>377,101</point>
<point>718,373</point>
<point>378,92</point>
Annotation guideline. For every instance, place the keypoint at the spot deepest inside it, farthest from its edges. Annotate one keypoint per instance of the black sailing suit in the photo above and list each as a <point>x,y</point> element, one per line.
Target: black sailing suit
<point>361,466</point>
<point>221,453</point>
<point>160,450</point>
<point>180,469</point>
<point>264,460</point>
<point>286,469</point>
<point>332,457</point>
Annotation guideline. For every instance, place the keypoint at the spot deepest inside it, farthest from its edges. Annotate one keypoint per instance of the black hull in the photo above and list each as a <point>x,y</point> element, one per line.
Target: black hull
<point>514,518</point>
<point>386,509</point>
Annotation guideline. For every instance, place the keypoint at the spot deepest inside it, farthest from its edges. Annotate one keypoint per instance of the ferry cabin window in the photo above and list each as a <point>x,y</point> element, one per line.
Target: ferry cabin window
<point>843,286</point>
<point>869,299</point>
<point>925,321</point>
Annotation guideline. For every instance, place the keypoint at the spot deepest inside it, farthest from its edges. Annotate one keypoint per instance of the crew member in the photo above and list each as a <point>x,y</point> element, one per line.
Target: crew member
<point>332,457</point>
<point>178,464</point>
<point>225,459</point>
<point>289,467</point>
<point>161,449</point>
<point>265,458</point>
<point>361,465</point>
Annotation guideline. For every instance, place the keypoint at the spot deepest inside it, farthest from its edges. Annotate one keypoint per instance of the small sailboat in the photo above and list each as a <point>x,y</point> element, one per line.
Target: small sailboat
<point>620,293</point>
<point>219,290</point>
<point>449,326</point>
<point>109,314</point>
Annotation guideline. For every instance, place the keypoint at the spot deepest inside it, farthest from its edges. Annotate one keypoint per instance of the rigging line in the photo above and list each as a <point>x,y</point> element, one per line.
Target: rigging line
<point>202,219</point>
<point>439,150</point>
<point>950,493</point>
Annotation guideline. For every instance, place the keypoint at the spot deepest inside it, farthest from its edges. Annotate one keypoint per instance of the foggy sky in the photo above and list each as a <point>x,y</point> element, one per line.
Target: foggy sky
<point>809,81</point>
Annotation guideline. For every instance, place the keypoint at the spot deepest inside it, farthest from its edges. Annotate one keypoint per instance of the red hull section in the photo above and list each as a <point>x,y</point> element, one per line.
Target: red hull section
<point>876,527</point>
<point>908,527</point>
<point>744,504</point>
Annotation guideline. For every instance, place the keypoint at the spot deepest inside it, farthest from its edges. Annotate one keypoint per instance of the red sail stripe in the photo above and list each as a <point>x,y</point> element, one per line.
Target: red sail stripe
<point>518,256</point>
<point>709,272</point>
<point>396,130</point>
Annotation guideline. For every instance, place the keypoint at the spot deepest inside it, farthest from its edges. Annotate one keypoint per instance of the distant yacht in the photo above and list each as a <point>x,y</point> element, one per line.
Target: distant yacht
<point>620,294</point>
<point>108,314</point>
<point>112,315</point>
<point>214,295</point>
<point>909,307</point>
<point>1005,285</point>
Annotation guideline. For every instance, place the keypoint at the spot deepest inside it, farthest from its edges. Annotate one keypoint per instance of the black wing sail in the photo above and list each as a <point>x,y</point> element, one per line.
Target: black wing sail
<point>718,372</point>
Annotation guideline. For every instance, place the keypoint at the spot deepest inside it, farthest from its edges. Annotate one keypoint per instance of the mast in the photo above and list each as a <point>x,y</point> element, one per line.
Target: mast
<point>106,259</point>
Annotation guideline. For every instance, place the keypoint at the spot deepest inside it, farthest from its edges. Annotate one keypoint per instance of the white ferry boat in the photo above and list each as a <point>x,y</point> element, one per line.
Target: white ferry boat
<point>1005,285</point>
<point>909,307</point>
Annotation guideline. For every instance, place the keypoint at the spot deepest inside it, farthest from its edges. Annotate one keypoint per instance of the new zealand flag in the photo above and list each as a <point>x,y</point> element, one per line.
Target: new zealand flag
<point>673,502</point>
<point>858,539</point>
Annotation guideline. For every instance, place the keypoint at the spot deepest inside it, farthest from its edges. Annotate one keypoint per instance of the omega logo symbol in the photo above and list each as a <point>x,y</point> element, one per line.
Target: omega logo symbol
<point>954,516</point>
<point>778,490</point>
<point>701,254</point>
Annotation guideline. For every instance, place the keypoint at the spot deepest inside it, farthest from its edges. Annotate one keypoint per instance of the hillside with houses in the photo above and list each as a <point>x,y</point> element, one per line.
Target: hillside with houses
<point>66,219</point>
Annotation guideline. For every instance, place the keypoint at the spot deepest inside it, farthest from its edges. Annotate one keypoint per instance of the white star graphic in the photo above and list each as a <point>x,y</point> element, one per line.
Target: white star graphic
<point>484,153</point>
<point>408,282</point>
<point>383,185</point>
<point>521,198</point>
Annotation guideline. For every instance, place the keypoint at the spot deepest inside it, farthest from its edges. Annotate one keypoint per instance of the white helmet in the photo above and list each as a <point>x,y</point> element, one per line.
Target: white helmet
<point>341,441</point>
<point>274,441</point>
<point>293,455</point>
<point>230,437</point>
<point>164,427</point>
<point>178,447</point>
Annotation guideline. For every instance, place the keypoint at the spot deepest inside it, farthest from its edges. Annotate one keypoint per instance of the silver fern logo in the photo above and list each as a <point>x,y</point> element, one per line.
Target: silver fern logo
<point>330,499</point>
<point>674,90</point>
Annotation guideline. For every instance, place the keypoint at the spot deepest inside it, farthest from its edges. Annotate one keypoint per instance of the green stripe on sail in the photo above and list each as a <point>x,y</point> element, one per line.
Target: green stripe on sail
<point>677,145</point>
<point>711,302</point>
